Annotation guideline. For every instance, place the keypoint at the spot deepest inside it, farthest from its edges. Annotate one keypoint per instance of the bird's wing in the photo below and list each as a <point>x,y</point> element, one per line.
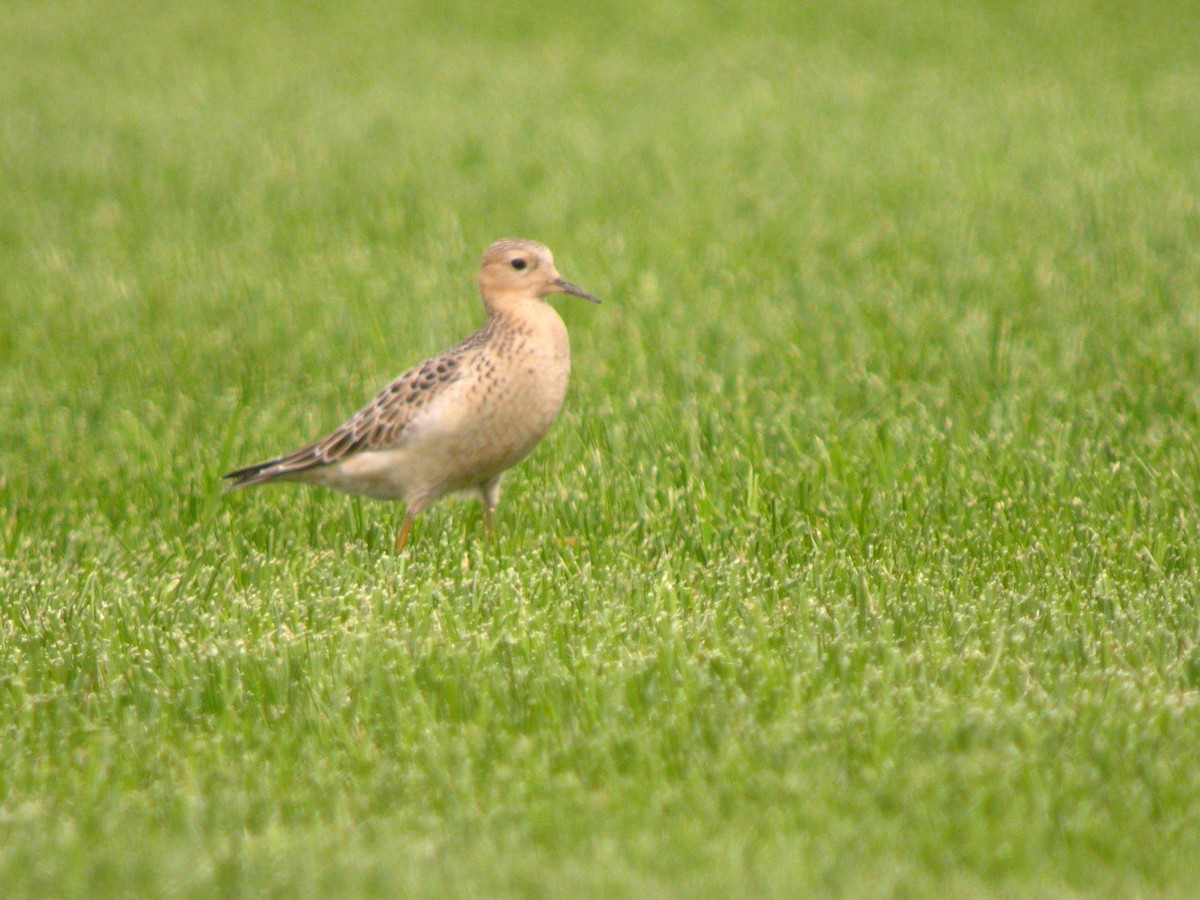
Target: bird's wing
<point>380,425</point>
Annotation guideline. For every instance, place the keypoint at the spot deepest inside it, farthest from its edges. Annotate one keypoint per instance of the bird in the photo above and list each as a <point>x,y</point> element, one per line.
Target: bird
<point>458,421</point>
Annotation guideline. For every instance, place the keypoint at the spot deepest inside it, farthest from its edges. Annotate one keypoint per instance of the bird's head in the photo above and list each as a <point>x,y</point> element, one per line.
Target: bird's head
<point>516,270</point>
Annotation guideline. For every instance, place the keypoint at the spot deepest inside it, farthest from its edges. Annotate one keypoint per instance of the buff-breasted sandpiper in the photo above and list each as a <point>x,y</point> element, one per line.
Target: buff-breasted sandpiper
<point>458,421</point>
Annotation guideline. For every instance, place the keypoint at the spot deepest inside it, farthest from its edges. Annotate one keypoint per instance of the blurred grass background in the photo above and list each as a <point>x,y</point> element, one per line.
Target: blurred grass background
<point>862,561</point>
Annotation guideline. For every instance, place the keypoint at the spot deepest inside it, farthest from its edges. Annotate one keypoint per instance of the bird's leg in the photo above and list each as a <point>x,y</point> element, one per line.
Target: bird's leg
<point>405,531</point>
<point>489,496</point>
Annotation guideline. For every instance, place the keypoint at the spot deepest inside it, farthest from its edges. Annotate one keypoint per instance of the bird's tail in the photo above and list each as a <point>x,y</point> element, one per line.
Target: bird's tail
<point>259,473</point>
<point>281,468</point>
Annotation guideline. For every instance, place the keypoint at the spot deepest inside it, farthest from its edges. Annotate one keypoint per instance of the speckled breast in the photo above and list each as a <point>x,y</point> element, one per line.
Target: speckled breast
<point>522,382</point>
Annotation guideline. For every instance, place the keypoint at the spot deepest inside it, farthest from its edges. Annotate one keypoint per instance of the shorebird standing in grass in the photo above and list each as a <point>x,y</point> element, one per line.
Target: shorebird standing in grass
<point>458,421</point>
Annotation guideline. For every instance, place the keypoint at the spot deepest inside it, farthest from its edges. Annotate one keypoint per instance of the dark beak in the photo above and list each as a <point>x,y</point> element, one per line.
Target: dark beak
<point>566,287</point>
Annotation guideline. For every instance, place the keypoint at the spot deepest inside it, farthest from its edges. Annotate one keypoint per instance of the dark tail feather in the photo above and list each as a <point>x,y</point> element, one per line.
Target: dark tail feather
<point>276,469</point>
<point>244,477</point>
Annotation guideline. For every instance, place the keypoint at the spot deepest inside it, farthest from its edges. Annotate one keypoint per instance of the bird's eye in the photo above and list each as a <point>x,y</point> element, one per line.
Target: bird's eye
<point>519,264</point>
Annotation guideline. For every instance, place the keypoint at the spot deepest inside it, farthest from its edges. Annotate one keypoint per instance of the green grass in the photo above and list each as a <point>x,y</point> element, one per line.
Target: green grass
<point>864,559</point>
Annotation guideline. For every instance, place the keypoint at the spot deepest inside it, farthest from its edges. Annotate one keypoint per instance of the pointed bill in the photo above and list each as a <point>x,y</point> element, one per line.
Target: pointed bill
<point>566,287</point>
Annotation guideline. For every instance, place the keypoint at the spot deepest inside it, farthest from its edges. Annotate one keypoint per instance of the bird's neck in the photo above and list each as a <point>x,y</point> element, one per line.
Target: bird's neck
<point>514,309</point>
<point>531,319</point>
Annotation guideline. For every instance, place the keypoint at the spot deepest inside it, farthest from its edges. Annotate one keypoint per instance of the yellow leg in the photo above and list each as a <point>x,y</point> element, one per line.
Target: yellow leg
<point>405,531</point>
<point>487,520</point>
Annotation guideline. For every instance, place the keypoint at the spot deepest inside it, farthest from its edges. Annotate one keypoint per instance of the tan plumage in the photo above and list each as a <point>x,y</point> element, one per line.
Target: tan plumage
<point>457,421</point>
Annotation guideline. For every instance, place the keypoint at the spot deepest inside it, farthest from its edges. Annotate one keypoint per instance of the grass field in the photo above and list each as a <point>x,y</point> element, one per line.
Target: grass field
<point>864,559</point>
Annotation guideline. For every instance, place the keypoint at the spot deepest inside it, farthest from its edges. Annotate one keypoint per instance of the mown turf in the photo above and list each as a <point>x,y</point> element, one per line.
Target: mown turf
<point>864,560</point>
